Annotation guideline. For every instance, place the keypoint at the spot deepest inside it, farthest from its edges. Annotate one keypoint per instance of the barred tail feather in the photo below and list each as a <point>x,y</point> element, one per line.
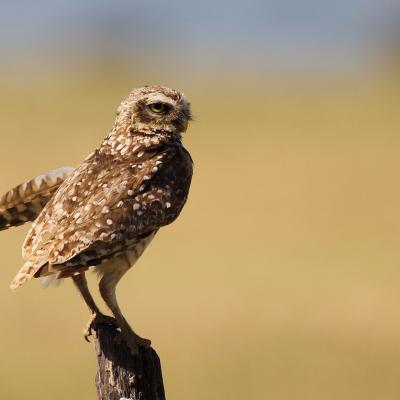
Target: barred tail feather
<point>28,271</point>
<point>25,202</point>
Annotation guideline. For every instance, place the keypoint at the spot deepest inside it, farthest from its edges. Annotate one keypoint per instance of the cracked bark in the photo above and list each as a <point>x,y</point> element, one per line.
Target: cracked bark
<point>123,376</point>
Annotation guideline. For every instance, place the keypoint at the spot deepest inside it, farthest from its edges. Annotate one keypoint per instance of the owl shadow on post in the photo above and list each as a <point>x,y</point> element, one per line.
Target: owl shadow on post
<point>101,216</point>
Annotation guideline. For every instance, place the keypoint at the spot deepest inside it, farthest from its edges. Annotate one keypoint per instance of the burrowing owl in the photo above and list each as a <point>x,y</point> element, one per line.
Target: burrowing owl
<point>103,214</point>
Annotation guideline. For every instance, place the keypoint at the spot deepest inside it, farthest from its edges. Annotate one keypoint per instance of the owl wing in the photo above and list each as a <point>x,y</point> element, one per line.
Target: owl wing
<point>129,201</point>
<point>54,212</point>
<point>98,183</point>
<point>133,206</point>
<point>26,201</point>
<point>112,226</point>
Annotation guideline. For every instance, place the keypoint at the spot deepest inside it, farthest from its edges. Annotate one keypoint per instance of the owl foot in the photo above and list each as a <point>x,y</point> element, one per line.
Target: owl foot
<point>94,321</point>
<point>133,341</point>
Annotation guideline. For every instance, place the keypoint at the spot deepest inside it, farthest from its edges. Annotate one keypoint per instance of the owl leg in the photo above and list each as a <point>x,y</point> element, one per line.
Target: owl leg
<point>107,286</point>
<point>97,316</point>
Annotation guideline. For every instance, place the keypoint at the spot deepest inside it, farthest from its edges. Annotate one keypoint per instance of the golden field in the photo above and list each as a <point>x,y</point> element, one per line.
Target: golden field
<point>281,278</point>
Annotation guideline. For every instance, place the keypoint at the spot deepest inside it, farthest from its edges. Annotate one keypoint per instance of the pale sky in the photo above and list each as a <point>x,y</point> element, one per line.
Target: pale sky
<point>207,32</point>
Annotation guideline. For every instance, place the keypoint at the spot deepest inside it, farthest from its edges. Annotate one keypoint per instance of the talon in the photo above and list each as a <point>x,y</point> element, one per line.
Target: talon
<point>94,321</point>
<point>86,335</point>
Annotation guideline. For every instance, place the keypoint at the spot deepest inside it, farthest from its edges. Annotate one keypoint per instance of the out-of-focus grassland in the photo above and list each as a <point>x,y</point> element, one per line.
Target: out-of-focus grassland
<point>281,279</point>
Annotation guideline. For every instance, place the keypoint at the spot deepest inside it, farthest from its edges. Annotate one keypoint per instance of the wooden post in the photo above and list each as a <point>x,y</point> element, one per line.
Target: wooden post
<point>123,376</point>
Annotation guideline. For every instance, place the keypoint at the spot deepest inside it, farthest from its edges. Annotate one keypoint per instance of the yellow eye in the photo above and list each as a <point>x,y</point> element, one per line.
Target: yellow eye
<point>158,108</point>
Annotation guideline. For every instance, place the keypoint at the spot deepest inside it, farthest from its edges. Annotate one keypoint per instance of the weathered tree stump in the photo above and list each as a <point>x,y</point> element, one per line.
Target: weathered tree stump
<point>122,375</point>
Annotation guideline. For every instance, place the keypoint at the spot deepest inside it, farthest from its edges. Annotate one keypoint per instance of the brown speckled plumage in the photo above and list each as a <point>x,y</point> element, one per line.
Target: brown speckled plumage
<point>105,212</point>
<point>26,201</point>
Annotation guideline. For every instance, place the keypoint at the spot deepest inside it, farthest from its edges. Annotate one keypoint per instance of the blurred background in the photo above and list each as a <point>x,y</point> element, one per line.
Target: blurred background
<point>281,279</point>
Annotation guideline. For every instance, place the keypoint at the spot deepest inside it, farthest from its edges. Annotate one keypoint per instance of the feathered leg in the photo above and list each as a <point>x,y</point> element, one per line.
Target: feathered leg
<point>97,316</point>
<point>107,286</point>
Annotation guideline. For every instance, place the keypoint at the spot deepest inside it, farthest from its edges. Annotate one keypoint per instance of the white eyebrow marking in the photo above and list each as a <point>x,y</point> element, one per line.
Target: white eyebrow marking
<point>159,98</point>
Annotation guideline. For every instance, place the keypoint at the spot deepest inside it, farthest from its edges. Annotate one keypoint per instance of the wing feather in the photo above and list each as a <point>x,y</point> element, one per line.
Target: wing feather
<point>25,202</point>
<point>105,207</point>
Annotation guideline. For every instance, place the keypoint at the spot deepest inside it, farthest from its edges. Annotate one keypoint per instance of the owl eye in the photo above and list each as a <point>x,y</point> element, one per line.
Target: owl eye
<point>159,108</point>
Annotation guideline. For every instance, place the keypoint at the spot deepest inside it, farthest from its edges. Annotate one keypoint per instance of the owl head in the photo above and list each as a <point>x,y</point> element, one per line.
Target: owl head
<point>154,110</point>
